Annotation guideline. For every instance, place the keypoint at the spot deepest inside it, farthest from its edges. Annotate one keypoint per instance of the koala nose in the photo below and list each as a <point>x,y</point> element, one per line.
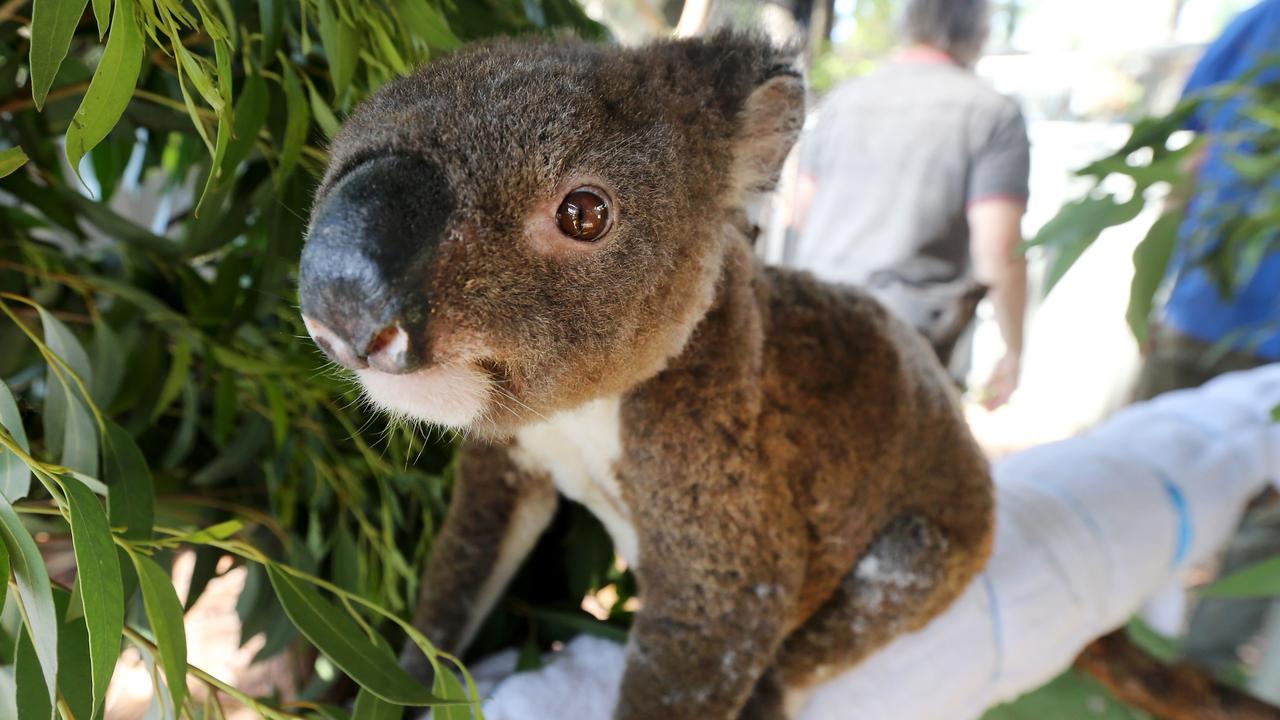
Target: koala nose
<point>365,267</point>
<point>388,350</point>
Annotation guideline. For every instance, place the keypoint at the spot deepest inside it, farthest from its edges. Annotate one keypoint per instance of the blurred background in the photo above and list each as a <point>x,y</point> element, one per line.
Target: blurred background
<point>168,277</point>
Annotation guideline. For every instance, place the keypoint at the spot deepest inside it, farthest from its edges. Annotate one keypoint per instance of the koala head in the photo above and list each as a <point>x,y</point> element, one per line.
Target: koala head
<point>522,226</point>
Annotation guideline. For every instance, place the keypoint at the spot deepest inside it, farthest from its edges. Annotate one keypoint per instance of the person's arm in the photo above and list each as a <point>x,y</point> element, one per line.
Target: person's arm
<point>995,232</point>
<point>806,186</point>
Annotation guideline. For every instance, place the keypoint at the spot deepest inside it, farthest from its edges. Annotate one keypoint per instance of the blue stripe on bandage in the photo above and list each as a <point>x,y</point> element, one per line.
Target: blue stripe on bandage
<point>1185,531</point>
<point>997,625</point>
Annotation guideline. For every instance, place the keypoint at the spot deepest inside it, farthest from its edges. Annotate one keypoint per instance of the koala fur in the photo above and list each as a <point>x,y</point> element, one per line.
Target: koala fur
<point>783,463</point>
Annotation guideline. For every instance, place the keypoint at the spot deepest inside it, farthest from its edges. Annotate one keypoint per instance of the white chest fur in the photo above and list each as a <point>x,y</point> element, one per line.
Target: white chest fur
<point>580,449</point>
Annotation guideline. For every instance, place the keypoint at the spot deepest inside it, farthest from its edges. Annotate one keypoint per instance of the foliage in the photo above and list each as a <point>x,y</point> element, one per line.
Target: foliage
<point>1140,174</point>
<point>150,355</point>
<point>873,37</point>
<point>1151,168</point>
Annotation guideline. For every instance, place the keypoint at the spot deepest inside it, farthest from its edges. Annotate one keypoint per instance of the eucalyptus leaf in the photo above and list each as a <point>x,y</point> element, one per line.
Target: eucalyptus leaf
<point>33,700</point>
<point>4,573</point>
<point>371,707</point>
<point>296,122</point>
<point>324,117</point>
<point>75,669</point>
<point>35,595</point>
<point>428,24</point>
<point>341,46</point>
<point>70,430</point>
<point>184,437</point>
<point>11,159</point>
<point>108,364</point>
<point>1076,228</point>
<point>447,685</point>
<point>15,476</point>
<point>1150,261</point>
<point>198,72</point>
<point>250,116</point>
<point>131,500</point>
<point>369,662</point>
<point>179,374</point>
<point>53,23</point>
<point>98,579</point>
<point>164,613</point>
<point>112,86</point>
<point>225,121</point>
<point>272,13</point>
<point>102,14</point>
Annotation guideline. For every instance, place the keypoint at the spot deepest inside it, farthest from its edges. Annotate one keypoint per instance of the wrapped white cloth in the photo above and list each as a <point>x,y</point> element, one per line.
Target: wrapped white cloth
<point>1088,529</point>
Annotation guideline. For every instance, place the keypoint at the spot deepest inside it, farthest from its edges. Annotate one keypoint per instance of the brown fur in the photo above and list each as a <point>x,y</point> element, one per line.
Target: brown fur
<point>783,441</point>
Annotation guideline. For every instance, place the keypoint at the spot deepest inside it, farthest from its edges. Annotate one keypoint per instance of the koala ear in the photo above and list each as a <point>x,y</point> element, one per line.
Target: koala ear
<point>768,125</point>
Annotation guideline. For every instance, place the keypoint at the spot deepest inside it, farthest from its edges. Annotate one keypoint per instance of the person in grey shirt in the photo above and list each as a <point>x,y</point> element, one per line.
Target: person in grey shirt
<point>913,184</point>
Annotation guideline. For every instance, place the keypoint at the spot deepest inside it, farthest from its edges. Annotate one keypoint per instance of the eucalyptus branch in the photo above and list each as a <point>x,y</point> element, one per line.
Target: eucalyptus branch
<point>9,9</point>
<point>41,470</point>
<point>19,104</point>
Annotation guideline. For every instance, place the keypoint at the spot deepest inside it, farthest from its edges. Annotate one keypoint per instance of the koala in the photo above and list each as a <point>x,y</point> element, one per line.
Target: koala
<point>542,244</point>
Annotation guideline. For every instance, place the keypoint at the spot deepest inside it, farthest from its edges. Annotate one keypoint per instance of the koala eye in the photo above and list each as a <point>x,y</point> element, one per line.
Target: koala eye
<point>583,215</point>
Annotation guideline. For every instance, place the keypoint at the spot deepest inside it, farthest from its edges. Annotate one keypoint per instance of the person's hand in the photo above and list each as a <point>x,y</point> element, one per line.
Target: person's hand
<point>1003,381</point>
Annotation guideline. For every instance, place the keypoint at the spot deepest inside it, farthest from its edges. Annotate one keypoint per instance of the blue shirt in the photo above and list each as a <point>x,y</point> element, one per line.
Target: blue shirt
<point>1196,304</point>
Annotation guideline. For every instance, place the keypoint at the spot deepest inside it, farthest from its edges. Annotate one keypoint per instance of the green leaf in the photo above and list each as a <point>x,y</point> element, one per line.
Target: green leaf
<point>341,45</point>
<point>179,373</point>
<point>70,431</point>
<point>447,685</point>
<point>111,88</point>
<point>1077,226</point>
<point>102,14</point>
<point>185,436</point>
<point>1150,261</point>
<point>131,498</point>
<point>324,117</point>
<point>250,115</point>
<point>272,14</point>
<point>15,476</point>
<point>108,364</point>
<point>388,48</point>
<point>75,666</point>
<point>370,663</point>
<point>225,121</point>
<point>98,577</point>
<point>164,612</point>
<point>243,363</point>
<point>11,159</point>
<point>428,24</point>
<point>34,594</point>
<point>371,707</point>
<point>296,123</point>
<point>1275,414</point>
<point>279,412</point>
<point>197,70</point>
<point>33,700</point>
<point>53,23</point>
<point>4,573</point>
<point>1258,580</point>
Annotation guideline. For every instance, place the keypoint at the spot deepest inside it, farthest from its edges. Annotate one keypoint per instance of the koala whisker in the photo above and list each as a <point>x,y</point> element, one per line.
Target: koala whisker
<point>499,403</point>
<point>511,396</point>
